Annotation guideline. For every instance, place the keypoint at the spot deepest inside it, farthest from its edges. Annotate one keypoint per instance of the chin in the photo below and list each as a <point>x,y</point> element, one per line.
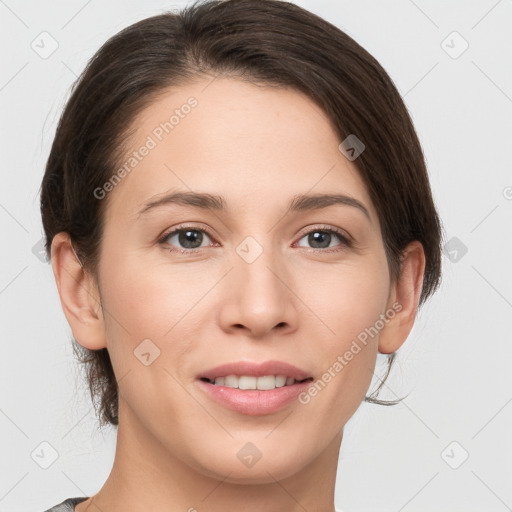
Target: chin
<point>265,470</point>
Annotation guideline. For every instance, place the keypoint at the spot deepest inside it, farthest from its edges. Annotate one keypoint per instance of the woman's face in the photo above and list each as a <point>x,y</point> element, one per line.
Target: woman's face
<point>254,281</point>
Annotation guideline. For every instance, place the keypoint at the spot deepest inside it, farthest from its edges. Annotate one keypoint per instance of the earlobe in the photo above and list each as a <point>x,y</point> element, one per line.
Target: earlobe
<point>78,294</point>
<point>404,299</point>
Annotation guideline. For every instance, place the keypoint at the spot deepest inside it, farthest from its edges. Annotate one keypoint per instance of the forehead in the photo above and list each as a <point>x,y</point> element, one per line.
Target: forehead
<point>257,146</point>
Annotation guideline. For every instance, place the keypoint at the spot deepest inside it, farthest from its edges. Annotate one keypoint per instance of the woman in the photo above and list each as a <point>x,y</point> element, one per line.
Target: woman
<point>239,219</point>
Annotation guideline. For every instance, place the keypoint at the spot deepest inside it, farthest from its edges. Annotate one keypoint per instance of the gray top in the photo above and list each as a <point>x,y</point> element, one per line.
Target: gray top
<point>67,505</point>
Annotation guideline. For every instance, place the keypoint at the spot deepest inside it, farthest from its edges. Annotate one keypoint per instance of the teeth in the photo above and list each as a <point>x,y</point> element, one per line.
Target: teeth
<point>248,382</point>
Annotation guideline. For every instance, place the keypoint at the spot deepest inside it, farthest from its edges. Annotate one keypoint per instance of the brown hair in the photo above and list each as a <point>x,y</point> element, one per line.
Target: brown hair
<point>272,42</point>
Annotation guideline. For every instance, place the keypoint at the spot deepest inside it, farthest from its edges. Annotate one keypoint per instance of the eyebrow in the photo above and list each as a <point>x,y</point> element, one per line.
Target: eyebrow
<point>207,201</point>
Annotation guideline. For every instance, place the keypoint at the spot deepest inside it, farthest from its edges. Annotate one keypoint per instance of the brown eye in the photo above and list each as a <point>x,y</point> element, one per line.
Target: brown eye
<point>320,238</point>
<point>185,239</point>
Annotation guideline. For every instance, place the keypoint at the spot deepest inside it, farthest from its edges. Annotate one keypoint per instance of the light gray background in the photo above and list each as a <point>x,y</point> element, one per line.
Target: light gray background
<point>455,364</point>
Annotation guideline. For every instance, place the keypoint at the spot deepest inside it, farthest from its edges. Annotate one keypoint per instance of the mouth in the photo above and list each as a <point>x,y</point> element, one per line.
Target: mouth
<point>254,388</point>
<point>251,375</point>
<point>263,383</point>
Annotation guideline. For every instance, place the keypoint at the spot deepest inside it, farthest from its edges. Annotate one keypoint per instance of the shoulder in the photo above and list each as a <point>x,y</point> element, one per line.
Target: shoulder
<point>67,505</point>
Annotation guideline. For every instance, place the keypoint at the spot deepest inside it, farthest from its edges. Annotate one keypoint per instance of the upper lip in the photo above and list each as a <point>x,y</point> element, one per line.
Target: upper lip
<point>240,368</point>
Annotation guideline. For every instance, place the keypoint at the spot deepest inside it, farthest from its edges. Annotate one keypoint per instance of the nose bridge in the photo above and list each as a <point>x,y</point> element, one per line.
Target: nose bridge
<point>259,298</point>
<point>256,265</point>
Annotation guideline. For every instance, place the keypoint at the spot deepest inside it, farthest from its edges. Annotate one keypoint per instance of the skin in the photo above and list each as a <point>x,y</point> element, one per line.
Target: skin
<point>257,147</point>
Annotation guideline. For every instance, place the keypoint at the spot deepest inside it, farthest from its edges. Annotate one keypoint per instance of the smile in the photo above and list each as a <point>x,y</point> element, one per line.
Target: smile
<point>263,383</point>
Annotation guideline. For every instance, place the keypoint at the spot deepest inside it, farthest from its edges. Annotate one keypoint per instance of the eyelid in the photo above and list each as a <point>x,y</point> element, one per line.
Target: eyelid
<point>326,227</point>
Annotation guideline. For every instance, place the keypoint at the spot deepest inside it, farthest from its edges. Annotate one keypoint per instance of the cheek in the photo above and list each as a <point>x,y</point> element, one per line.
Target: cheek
<point>150,301</point>
<point>146,322</point>
<point>159,303</point>
<point>348,302</point>
<point>346,298</point>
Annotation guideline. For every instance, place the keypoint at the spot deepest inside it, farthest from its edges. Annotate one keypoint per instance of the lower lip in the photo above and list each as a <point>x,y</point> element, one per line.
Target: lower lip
<point>254,402</point>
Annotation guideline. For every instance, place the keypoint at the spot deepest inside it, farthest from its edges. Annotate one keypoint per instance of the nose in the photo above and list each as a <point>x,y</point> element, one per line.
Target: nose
<point>258,297</point>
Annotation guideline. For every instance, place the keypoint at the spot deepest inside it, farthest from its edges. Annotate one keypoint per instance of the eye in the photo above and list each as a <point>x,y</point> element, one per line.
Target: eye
<point>321,238</point>
<point>189,238</point>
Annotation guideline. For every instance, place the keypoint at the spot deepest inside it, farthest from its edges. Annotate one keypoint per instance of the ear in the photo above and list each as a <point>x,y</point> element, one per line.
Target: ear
<point>405,295</point>
<point>79,295</point>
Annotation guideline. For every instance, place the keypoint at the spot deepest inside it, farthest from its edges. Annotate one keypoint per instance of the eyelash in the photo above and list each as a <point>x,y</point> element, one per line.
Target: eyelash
<point>345,241</point>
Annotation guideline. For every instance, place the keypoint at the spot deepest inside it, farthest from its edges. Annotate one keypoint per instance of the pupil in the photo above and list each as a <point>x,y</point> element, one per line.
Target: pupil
<point>190,236</point>
<point>323,238</point>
